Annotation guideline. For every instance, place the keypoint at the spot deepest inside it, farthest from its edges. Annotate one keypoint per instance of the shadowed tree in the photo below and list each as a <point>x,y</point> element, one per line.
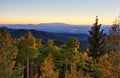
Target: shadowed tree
<point>97,41</point>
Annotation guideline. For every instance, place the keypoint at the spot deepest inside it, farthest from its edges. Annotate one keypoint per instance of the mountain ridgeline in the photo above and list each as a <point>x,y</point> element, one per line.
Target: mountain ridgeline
<point>59,32</point>
<point>56,27</point>
<point>34,53</point>
<point>59,38</point>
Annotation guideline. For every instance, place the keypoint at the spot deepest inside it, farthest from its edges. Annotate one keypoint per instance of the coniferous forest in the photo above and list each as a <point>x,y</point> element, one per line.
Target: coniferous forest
<point>28,57</point>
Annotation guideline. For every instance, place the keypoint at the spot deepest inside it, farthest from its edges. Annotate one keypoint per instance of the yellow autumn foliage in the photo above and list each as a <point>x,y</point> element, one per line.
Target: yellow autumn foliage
<point>47,68</point>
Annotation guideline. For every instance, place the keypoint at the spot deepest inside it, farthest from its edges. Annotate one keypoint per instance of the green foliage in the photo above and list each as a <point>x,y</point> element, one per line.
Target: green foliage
<point>8,53</point>
<point>48,60</point>
<point>39,44</point>
<point>73,44</point>
<point>27,48</point>
<point>97,41</point>
<point>70,50</point>
<point>47,68</point>
<point>78,74</point>
<point>103,68</point>
<point>28,51</point>
<point>17,72</point>
<point>114,58</point>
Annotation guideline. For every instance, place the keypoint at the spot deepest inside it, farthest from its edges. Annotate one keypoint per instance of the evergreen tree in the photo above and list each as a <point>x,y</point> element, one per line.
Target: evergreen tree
<point>97,41</point>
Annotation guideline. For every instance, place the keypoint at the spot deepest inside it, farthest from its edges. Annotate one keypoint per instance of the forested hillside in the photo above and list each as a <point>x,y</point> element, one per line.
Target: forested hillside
<point>58,38</point>
<point>24,55</point>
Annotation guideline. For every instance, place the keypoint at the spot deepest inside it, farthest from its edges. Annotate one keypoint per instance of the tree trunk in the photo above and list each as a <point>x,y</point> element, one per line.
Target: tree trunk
<point>73,67</point>
<point>36,74</point>
<point>66,70</point>
<point>117,66</point>
<point>27,67</point>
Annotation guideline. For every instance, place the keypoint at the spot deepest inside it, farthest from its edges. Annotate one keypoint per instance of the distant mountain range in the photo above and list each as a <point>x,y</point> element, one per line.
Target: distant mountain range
<point>17,33</point>
<point>59,38</point>
<point>59,32</point>
<point>56,27</point>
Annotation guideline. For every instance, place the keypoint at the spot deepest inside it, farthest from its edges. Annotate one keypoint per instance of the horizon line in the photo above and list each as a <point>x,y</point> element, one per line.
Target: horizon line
<point>47,23</point>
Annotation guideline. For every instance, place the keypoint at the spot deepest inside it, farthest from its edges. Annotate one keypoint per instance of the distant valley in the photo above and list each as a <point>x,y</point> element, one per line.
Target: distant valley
<point>59,32</point>
<point>56,27</point>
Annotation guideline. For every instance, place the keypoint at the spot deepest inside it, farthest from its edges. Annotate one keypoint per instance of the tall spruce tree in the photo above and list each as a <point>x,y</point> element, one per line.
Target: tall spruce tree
<point>97,41</point>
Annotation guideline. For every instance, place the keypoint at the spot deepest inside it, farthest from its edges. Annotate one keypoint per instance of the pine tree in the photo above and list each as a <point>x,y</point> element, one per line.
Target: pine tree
<point>97,41</point>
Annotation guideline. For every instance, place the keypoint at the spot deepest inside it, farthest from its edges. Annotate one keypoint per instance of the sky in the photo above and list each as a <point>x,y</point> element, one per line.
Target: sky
<point>65,11</point>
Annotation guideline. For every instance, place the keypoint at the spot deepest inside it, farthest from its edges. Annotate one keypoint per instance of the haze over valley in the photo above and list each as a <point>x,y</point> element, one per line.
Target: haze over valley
<point>56,27</point>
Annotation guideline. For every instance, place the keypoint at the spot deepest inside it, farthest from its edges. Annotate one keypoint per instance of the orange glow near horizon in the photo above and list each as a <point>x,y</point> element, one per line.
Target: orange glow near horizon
<point>52,20</point>
<point>78,12</point>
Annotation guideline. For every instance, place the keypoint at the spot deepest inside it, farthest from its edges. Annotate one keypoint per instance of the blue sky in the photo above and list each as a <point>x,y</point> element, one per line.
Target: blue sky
<point>66,11</point>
